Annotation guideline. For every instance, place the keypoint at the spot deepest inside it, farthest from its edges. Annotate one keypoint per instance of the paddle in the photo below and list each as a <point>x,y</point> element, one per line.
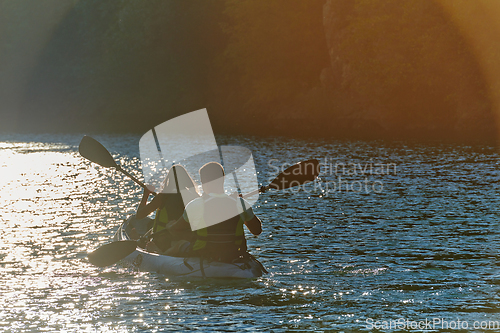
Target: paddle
<point>111,253</point>
<point>297,174</point>
<point>95,152</point>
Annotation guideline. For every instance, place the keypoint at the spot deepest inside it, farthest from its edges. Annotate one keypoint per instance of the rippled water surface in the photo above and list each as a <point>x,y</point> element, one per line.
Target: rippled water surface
<point>420,240</point>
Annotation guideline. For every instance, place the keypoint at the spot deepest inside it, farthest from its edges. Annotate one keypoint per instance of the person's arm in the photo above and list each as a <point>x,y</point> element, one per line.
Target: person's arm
<point>253,223</point>
<point>145,209</point>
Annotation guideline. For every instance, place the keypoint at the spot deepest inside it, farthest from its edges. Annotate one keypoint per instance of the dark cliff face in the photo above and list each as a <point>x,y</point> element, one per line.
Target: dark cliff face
<point>118,65</point>
<point>336,68</point>
<point>399,68</point>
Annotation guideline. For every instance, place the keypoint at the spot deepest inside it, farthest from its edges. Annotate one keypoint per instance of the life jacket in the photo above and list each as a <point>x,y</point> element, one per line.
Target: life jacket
<point>224,240</point>
<point>172,209</point>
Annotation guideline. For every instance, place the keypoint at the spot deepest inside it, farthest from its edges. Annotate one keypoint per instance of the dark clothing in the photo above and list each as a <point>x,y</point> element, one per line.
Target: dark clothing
<point>219,221</point>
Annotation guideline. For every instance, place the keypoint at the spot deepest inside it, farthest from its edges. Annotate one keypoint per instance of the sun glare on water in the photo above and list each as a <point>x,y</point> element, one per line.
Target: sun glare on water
<point>54,207</point>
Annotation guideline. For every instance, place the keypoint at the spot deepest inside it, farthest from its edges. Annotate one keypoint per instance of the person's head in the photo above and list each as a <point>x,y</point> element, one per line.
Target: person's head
<point>184,180</point>
<point>212,178</point>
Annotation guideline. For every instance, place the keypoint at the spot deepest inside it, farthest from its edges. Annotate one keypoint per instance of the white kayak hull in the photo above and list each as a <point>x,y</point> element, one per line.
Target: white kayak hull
<point>189,267</point>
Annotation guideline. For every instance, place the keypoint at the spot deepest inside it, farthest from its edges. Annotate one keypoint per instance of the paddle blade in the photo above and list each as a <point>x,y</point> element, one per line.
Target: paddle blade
<point>94,151</point>
<point>111,253</point>
<point>297,174</point>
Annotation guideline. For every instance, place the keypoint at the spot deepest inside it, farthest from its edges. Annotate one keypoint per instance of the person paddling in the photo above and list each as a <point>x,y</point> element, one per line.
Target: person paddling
<point>169,206</point>
<point>222,216</point>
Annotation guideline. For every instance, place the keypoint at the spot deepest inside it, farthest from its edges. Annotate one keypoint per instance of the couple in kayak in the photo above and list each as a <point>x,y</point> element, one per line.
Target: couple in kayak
<point>222,237</point>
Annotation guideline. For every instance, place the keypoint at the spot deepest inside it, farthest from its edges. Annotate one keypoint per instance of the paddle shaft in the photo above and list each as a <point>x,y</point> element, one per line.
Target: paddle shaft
<point>260,190</point>
<point>137,181</point>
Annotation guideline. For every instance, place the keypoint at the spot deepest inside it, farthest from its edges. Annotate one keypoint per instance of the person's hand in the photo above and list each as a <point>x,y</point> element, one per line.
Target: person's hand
<point>148,189</point>
<point>151,247</point>
<point>134,234</point>
<point>142,242</point>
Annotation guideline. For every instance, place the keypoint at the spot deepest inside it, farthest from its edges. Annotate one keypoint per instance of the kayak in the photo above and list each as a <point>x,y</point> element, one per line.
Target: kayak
<point>140,259</point>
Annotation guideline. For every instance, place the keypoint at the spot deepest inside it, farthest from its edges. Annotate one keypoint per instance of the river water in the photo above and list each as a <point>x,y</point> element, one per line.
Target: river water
<point>411,235</point>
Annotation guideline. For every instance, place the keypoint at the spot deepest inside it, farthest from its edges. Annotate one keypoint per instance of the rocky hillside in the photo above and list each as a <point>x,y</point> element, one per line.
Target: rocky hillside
<point>322,68</point>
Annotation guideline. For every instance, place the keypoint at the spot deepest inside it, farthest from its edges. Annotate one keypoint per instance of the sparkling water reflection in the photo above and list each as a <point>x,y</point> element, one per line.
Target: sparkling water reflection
<point>426,246</point>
